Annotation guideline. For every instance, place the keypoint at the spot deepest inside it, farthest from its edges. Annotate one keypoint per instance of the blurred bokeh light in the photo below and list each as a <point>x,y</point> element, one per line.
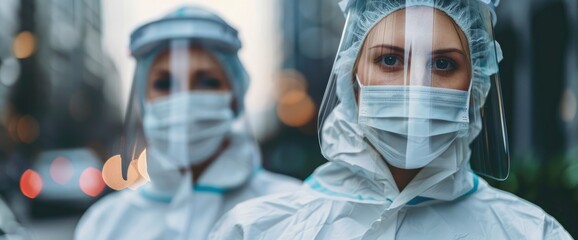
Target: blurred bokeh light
<point>27,129</point>
<point>24,45</point>
<point>91,182</point>
<point>61,170</point>
<point>9,71</point>
<point>142,165</point>
<point>112,176</point>
<point>31,183</point>
<point>295,108</point>
<point>568,106</point>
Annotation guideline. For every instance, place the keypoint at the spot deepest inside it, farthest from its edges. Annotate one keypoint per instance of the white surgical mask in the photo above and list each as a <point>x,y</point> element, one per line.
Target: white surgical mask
<point>410,126</point>
<point>185,129</point>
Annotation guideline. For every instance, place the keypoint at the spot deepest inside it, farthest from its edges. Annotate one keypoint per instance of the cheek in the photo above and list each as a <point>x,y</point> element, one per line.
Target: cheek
<point>152,94</point>
<point>391,78</point>
<point>149,93</point>
<point>460,81</point>
<point>369,74</point>
<point>225,85</point>
<point>463,81</point>
<point>375,76</point>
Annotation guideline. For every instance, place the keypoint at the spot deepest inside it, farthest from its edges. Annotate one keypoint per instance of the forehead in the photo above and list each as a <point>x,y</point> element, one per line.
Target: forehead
<point>417,25</point>
<point>195,56</point>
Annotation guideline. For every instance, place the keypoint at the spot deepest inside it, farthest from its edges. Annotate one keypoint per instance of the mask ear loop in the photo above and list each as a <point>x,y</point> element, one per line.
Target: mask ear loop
<point>356,84</point>
<point>356,88</point>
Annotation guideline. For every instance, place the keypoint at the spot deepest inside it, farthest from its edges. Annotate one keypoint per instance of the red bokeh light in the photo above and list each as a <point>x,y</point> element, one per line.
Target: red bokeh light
<point>30,184</point>
<point>61,170</point>
<point>91,182</point>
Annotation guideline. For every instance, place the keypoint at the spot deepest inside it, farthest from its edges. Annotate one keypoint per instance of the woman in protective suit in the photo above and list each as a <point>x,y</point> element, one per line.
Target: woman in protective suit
<point>186,108</point>
<point>409,93</point>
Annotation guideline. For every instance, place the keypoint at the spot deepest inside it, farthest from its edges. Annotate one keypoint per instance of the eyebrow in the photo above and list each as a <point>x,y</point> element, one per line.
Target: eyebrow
<point>439,51</point>
<point>449,50</point>
<point>390,47</point>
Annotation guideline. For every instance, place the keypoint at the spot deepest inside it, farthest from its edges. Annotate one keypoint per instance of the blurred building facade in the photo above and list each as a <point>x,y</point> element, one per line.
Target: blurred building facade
<point>539,74</point>
<point>9,65</point>
<point>64,95</point>
<point>311,34</point>
<point>540,84</point>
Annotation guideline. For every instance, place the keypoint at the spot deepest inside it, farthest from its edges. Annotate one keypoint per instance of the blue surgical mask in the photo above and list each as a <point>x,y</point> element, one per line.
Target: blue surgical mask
<point>185,129</point>
<point>410,126</point>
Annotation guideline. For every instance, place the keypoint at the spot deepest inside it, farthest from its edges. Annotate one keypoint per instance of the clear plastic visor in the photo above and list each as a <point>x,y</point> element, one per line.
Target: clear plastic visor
<point>185,108</point>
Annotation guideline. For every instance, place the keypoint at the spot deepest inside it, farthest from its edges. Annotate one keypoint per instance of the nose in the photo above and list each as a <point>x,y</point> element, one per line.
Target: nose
<point>418,71</point>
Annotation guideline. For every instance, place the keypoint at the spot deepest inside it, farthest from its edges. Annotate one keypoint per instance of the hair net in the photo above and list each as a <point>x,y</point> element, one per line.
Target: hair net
<point>492,4</point>
<point>200,27</point>
<point>188,22</point>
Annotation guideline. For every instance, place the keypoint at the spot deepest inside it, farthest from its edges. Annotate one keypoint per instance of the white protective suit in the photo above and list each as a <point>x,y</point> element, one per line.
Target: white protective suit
<point>140,214</point>
<point>351,198</point>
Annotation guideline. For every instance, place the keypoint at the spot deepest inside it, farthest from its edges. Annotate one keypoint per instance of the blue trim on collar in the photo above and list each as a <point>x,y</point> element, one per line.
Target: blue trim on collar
<point>162,198</point>
<point>257,170</point>
<point>218,190</point>
<point>210,189</point>
<point>197,187</point>
<point>417,200</point>
<point>155,197</point>
<point>315,185</point>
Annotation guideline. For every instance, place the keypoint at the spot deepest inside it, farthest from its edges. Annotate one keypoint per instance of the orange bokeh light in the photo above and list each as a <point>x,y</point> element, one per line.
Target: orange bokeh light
<point>291,80</point>
<point>31,184</point>
<point>295,108</point>
<point>61,170</point>
<point>142,165</point>
<point>24,45</point>
<point>13,128</point>
<point>112,176</point>
<point>27,129</point>
<point>91,182</point>
<point>140,181</point>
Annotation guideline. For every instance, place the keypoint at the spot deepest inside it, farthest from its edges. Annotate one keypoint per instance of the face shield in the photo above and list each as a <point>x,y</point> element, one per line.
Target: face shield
<point>186,103</point>
<point>411,80</point>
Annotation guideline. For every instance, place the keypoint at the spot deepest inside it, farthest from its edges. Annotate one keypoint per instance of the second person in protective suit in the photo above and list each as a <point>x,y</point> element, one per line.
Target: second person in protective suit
<point>187,105</point>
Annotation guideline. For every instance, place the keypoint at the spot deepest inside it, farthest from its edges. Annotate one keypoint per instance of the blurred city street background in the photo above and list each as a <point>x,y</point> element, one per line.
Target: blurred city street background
<point>65,75</point>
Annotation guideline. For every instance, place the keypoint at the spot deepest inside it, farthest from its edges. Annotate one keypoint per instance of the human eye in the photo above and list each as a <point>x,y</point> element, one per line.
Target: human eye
<point>389,61</point>
<point>205,81</point>
<point>163,83</point>
<point>443,64</point>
